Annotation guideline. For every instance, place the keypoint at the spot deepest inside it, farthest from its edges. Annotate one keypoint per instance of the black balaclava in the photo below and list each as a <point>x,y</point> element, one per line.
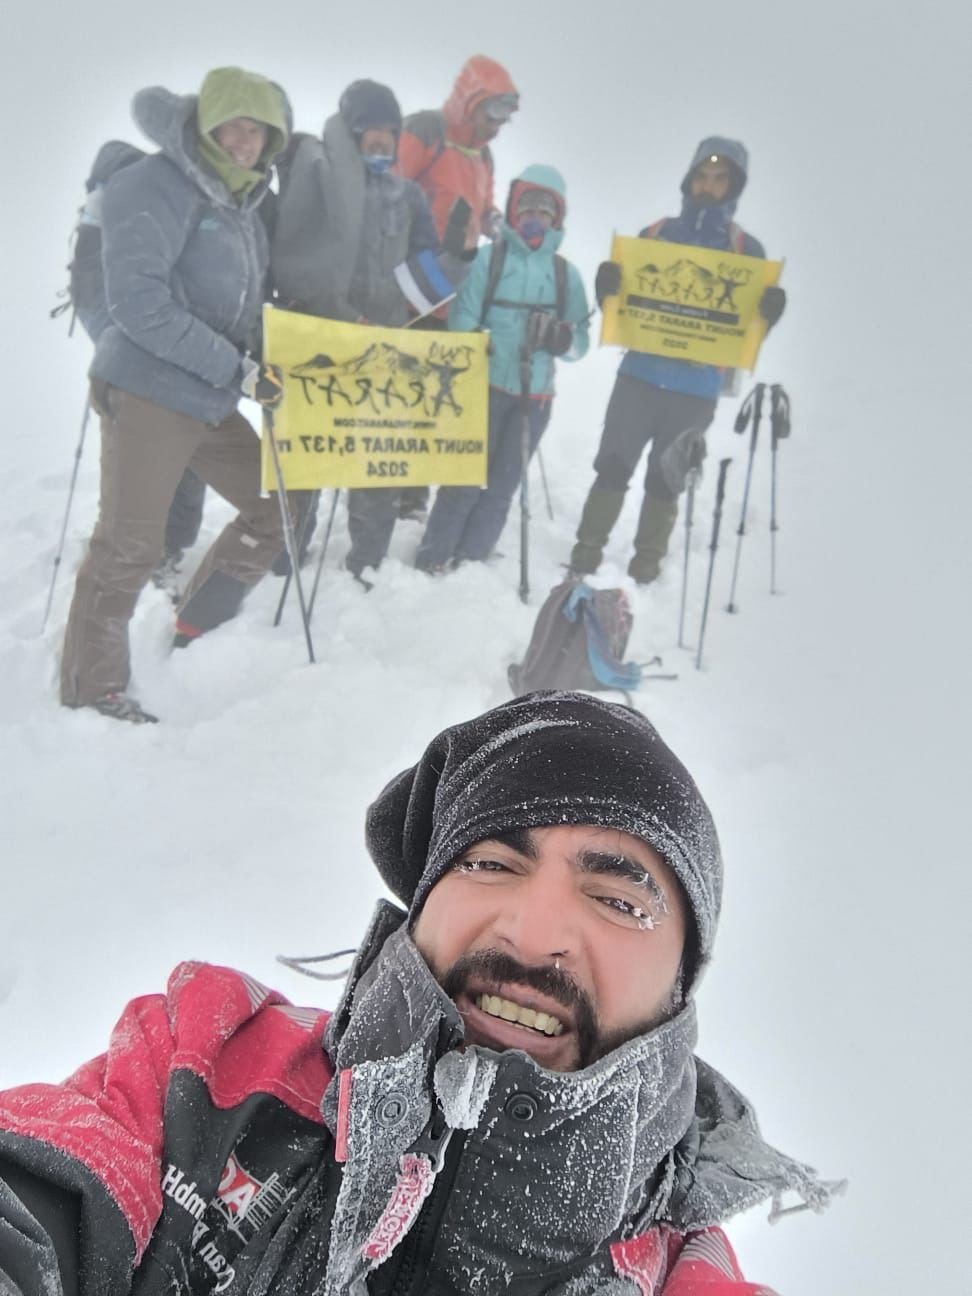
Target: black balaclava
<point>545,759</point>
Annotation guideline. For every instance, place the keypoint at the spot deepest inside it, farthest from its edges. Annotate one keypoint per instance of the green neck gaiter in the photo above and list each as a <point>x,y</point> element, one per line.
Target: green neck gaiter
<point>238,180</point>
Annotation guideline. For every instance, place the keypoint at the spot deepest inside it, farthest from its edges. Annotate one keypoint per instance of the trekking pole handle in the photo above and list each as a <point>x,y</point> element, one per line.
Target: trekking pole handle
<point>719,498</point>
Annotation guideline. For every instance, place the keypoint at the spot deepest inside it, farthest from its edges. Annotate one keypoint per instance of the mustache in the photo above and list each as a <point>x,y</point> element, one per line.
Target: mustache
<point>555,983</point>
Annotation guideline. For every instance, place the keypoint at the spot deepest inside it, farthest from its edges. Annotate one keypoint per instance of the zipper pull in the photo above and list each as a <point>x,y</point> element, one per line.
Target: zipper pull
<point>433,1141</point>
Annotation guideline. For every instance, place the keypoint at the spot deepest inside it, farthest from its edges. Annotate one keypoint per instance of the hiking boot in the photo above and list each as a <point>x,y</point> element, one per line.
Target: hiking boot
<point>601,510</point>
<point>359,577</point>
<point>184,634</point>
<point>655,525</point>
<point>119,706</point>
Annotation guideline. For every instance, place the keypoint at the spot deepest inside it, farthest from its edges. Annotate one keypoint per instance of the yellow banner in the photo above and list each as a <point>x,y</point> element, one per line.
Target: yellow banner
<point>368,406</point>
<point>688,303</point>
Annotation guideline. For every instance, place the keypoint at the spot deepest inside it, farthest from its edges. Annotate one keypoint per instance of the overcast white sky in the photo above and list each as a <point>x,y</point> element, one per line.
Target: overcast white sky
<point>856,116</point>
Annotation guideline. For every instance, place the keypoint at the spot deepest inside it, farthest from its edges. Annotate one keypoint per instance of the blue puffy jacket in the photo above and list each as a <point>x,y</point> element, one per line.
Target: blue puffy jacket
<point>698,226</point>
<point>184,267</point>
<point>528,280</point>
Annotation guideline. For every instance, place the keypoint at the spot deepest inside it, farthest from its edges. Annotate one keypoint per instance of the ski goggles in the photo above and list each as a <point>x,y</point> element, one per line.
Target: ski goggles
<point>501,107</point>
<point>537,200</point>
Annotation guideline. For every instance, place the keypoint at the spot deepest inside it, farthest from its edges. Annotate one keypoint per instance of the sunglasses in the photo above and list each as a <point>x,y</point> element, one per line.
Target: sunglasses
<point>501,107</point>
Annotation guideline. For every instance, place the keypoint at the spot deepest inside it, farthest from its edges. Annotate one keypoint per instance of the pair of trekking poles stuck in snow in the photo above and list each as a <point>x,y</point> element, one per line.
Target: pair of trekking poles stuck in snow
<point>750,414</point>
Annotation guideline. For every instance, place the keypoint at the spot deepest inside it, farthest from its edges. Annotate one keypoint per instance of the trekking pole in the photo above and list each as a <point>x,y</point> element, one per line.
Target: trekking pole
<point>713,546</point>
<point>546,488</point>
<point>779,429</point>
<point>322,555</point>
<point>524,474</point>
<point>693,478</point>
<point>288,527</point>
<point>67,512</point>
<point>751,406</point>
<point>302,536</point>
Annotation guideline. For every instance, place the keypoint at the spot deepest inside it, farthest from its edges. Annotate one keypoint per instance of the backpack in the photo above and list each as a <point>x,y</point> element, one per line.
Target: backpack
<point>85,292</point>
<point>429,127</point>
<point>497,260</point>
<point>578,642</point>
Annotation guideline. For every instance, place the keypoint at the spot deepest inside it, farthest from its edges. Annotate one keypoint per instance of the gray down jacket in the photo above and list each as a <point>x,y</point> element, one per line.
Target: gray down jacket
<point>185,267</point>
<point>340,231</point>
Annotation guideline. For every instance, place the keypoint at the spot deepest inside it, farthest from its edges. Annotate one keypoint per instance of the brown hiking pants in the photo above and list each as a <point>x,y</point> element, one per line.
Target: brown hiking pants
<point>145,449</point>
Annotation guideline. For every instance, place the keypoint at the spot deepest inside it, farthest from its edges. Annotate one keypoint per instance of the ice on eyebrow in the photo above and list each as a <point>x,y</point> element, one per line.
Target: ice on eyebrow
<point>636,873</point>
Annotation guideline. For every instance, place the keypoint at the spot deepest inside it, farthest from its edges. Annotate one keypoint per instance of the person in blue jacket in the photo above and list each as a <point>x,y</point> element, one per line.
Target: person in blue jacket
<point>530,323</point>
<point>664,401</point>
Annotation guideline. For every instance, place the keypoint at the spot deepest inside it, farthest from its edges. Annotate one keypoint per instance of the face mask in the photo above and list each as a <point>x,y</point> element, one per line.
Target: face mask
<point>378,163</point>
<point>531,230</point>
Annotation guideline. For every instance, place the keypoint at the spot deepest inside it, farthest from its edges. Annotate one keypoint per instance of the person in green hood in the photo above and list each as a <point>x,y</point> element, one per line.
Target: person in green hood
<point>185,258</point>
<point>241,125</point>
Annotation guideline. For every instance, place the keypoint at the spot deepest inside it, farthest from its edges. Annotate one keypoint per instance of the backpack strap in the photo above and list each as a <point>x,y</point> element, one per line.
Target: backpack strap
<point>427,166</point>
<point>429,128</point>
<point>497,259</point>
<point>560,274</point>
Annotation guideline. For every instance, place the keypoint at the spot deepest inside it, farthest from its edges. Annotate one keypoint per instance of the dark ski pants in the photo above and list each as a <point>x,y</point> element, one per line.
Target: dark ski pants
<point>145,450</point>
<point>372,514</point>
<point>639,413</point>
<point>466,521</point>
<point>185,513</point>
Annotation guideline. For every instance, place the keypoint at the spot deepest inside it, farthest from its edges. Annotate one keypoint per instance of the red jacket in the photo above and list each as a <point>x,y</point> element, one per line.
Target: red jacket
<point>438,151</point>
<point>195,1134</point>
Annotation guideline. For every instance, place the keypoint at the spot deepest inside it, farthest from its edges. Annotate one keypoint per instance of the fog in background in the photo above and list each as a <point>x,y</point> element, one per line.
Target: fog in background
<point>854,1040</point>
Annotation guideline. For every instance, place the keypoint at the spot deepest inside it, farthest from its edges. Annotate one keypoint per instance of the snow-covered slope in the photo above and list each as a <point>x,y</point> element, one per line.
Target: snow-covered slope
<point>827,728</point>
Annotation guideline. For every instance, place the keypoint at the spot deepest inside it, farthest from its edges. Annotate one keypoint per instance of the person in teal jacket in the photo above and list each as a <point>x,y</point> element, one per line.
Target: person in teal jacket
<point>533,314</point>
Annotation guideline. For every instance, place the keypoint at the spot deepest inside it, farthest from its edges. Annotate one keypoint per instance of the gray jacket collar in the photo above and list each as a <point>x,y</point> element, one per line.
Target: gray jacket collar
<point>644,1134</point>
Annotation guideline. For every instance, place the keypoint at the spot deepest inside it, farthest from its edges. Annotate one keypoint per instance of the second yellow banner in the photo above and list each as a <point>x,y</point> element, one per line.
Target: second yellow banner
<point>688,303</point>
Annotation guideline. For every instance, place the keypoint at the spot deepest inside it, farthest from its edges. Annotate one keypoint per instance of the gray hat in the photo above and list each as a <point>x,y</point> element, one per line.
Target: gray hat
<point>544,759</point>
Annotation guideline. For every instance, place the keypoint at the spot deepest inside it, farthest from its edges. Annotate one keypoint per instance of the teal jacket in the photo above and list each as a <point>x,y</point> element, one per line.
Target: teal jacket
<point>528,280</point>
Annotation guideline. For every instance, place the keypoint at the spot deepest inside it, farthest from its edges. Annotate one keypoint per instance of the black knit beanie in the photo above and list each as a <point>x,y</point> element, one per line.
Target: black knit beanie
<point>544,759</point>
<point>366,103</point>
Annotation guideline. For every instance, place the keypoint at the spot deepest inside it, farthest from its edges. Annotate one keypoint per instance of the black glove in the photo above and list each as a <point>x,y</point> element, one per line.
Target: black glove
<point>262,383</point>
<point>772,304</point>
<point>545,332</point>
<point>454,237</point>
<point>607,281</point>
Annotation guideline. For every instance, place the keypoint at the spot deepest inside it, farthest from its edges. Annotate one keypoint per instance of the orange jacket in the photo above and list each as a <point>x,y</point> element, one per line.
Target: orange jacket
<point>438,151</point>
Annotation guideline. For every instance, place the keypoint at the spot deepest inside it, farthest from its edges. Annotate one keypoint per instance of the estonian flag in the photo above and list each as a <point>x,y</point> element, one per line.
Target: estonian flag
<point>424,284</point>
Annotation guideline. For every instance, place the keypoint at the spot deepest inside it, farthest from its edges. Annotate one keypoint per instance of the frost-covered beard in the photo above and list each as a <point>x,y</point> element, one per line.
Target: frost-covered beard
<point>463,982</point>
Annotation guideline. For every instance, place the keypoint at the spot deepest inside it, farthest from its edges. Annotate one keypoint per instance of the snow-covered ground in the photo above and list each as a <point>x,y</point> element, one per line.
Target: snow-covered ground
<point>828,727</point>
